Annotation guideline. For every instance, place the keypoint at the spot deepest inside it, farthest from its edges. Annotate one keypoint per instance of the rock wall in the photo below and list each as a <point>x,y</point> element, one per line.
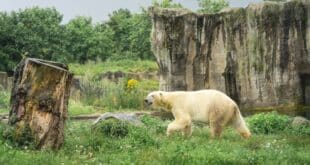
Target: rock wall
<point>258,55</point>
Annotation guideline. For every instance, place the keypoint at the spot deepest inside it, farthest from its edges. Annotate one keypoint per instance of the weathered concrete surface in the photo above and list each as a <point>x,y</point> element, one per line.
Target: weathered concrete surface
<point>258,55</point>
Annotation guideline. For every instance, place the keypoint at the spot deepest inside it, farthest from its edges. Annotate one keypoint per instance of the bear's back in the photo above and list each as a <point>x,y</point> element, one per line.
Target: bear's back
<point>214,96</point>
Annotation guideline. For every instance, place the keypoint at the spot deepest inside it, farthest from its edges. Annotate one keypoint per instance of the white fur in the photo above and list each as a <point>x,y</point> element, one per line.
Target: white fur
<point>210,106</point>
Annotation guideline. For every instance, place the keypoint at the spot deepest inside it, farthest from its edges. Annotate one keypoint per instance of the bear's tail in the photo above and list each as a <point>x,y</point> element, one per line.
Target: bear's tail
<point>239,124</point>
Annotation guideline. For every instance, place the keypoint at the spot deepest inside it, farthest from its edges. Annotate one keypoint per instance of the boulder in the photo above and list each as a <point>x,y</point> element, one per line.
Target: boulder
<point>298,121</point>
<point>127,117</point>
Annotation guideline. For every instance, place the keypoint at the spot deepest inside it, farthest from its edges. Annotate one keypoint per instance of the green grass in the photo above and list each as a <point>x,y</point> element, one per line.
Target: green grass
<point>149,145</point>
<point>92,68</point>
<point>4,110</point>
<point>78,108</point>
<point>4,101</point>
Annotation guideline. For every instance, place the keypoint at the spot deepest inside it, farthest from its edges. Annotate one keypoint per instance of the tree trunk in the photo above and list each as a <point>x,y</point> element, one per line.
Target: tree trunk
<point>39,102</point>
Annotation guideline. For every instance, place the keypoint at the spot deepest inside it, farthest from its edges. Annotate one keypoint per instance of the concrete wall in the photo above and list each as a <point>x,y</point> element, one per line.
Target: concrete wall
<point>258,55</point>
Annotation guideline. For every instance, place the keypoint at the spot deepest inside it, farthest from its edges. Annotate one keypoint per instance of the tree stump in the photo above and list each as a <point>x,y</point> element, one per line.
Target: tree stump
<point>39,103</point>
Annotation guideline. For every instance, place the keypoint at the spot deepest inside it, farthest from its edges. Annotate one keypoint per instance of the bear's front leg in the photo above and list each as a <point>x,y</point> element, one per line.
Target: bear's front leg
<point>183,125</point>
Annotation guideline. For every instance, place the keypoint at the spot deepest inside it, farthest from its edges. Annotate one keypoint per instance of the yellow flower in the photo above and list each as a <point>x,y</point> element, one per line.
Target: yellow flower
<point>131,84</point>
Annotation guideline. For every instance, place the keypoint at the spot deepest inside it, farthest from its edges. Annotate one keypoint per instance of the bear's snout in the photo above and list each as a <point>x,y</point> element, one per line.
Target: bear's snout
<point>147,102</point>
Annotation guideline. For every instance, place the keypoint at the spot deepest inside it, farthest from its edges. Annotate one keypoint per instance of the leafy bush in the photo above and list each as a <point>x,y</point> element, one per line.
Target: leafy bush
<point>122,130</point>
<point>18,138</point>
<point>268,123</point>
<point>113,128</point>
<point>303,130</point>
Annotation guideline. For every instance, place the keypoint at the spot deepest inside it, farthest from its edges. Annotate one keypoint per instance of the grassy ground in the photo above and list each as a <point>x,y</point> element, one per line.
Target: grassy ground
<point>148,144</point>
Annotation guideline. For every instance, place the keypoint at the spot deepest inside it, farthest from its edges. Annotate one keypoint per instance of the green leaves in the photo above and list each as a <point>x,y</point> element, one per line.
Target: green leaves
<point>268,123</point>
<point>166,4</point>
<point>39,33</point>
<point>212,6</point>
<point>131,37</point>
<point>33,32</point>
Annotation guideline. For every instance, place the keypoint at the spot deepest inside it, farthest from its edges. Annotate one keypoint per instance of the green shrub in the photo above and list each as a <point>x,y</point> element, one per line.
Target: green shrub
<point>112,128</point>
<point>125,132</point>
<point>268,123</point>
<point>18,138</point>
<point>303,130</point>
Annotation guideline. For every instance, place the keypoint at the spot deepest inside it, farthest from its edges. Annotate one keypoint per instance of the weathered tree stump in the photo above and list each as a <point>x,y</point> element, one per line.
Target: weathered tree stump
<point>39,102</point>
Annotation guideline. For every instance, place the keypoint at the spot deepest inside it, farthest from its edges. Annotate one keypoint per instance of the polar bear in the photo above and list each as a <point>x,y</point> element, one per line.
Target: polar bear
<point>209,106</point>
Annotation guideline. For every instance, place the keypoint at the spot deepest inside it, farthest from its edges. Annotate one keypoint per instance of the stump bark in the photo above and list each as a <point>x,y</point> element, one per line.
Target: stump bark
<point>39,102</point>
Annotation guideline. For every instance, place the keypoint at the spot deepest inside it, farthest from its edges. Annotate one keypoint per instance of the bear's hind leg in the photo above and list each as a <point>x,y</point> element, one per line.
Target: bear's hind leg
<point>215,130</point>
<point>240,126</point>
<point>187,131</point>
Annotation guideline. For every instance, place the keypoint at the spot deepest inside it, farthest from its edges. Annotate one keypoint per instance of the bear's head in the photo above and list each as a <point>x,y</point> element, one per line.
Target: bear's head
<point>155,99</point>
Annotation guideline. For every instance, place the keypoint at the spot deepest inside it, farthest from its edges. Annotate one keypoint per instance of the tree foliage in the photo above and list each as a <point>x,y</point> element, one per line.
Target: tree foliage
<point>166,4</point>
<point>212,6</point>
<point>276,0</point>
<point>33,32</point>
<point>39,33</point>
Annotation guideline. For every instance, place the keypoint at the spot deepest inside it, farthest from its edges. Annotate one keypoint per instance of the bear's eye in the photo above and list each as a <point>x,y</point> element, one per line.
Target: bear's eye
<point>152,96</point>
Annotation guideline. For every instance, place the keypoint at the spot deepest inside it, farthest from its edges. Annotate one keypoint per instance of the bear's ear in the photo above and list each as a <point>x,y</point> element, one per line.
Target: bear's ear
<point>161,96</point>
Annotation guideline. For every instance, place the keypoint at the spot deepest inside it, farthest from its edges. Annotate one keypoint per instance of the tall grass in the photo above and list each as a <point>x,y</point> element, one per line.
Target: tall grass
<point>116,96</point>
<point>109,95</point>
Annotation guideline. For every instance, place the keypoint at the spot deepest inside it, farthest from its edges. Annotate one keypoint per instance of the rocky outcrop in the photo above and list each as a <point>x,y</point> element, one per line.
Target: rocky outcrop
<point>258,55</point>
<point>300,121</point>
